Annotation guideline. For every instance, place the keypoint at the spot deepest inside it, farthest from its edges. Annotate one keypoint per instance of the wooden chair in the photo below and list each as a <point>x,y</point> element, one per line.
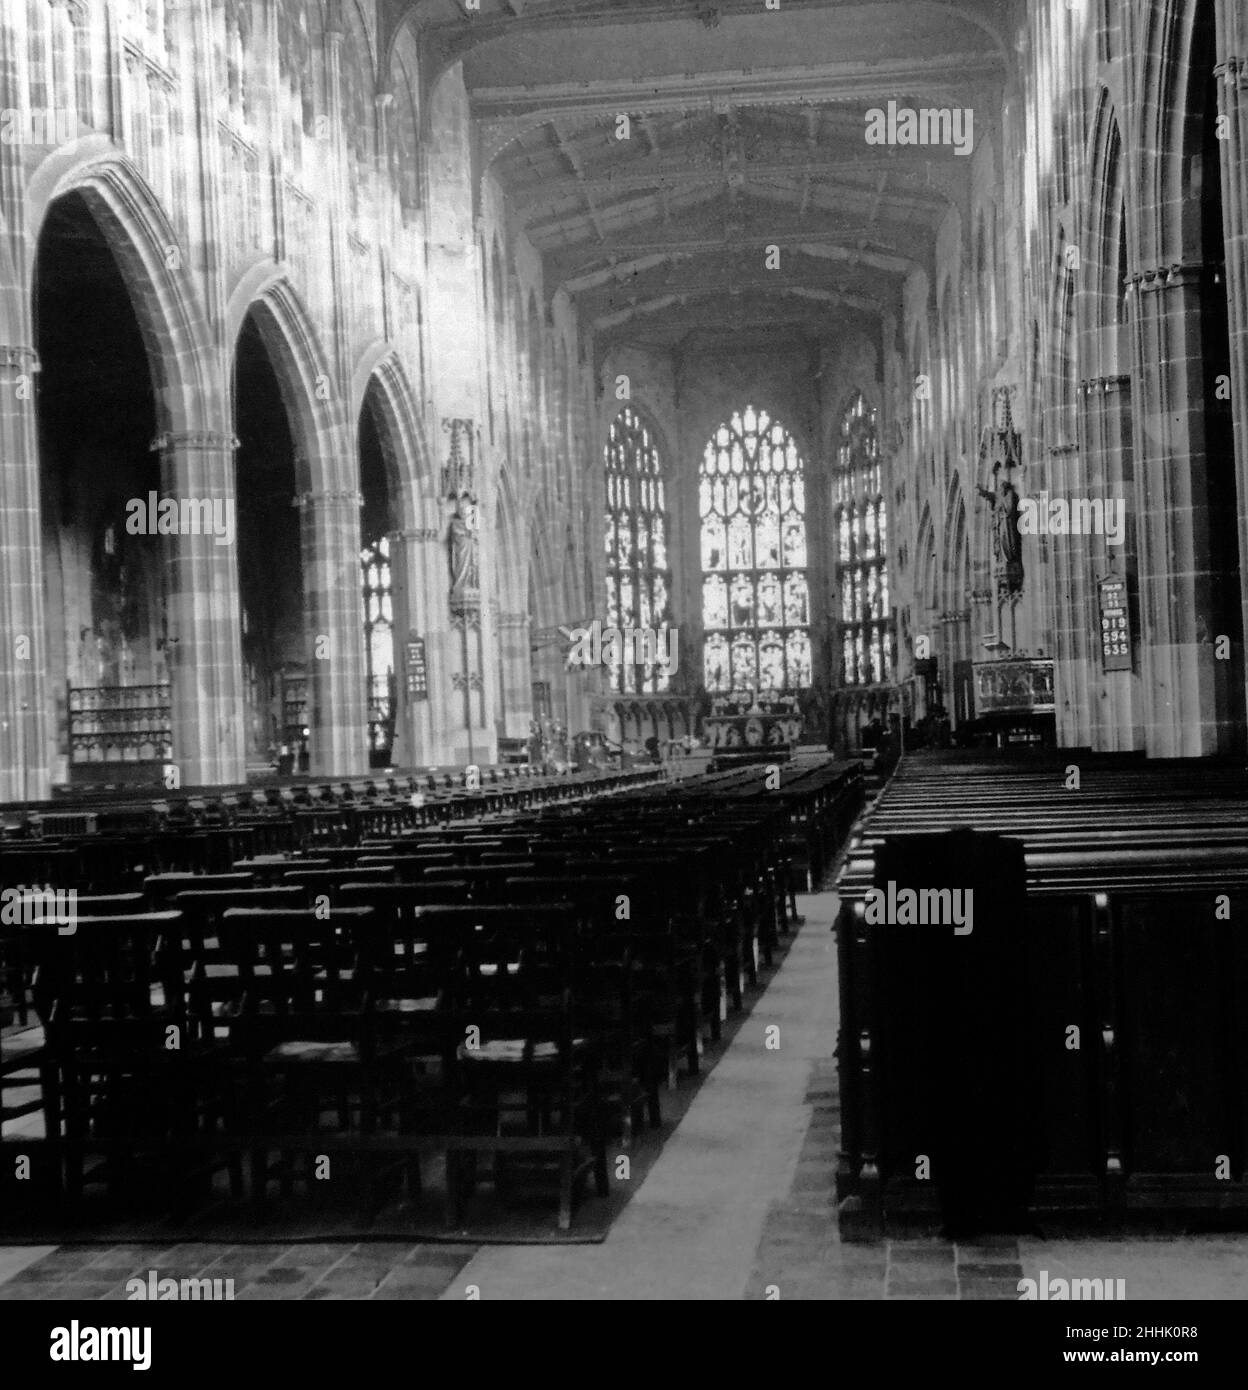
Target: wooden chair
<point>306,1044</point>
<point>134,1085</point>
<point>527,1080</point>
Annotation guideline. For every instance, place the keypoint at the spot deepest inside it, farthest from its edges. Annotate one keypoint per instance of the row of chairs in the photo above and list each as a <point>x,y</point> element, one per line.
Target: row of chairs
<point>524,985</point>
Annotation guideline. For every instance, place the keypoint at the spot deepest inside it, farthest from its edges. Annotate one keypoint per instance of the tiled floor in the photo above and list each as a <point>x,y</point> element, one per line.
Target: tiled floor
<point>740,1204</point>
<point>382,1270</point>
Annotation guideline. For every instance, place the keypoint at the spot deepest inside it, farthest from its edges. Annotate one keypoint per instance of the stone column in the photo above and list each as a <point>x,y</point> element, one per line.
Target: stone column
<point>515,677</point>
<point>1114,702</point>
<point>207,706</point>
<point>1232,74</point>
<point>1186,696</point>
<point>470,737</point>
<point>334,618</point>
<point>25,728</point>
<point>1073,617</point>
<point>413,725</point>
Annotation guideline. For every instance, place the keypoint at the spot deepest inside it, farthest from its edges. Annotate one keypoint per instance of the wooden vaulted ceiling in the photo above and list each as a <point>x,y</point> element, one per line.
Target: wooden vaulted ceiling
<point>746,130</point>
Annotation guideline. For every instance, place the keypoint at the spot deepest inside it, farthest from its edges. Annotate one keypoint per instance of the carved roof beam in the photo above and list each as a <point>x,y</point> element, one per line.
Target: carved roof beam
<point>904,162</point>
<point>574,163</point>
<point>842,243</point>
<point>656,303</point>
<point>606,298</point>
<point>942,78</point>
<point>644,208</point>
<point>747,312</point>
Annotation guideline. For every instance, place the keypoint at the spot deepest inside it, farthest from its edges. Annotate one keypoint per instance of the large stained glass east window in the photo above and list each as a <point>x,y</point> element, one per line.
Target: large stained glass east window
<point>638,577</point>
<point>860,521</point>
<point>755,597</point>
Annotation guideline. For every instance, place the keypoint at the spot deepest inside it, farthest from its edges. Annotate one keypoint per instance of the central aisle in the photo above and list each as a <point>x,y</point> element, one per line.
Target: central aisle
<point>693,1229</point>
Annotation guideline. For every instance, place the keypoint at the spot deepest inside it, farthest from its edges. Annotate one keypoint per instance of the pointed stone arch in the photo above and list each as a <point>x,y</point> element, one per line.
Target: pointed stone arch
<point>410,466</point>
<point>328,495</point>
<point>192,433</point>
<point>318,415</point>
<point>153,265</point>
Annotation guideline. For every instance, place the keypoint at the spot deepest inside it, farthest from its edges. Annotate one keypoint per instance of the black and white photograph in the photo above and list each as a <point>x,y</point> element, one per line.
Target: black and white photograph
<point>622,670</point>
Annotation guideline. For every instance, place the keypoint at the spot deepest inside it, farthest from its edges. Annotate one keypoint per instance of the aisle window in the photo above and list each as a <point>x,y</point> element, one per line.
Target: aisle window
<point>379,642</point>
<point>638,576</point>
<point>860,519</point>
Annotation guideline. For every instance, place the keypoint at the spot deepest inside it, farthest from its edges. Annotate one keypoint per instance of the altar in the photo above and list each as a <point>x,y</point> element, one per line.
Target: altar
<point>1015,700</point>
<point>744,721</point>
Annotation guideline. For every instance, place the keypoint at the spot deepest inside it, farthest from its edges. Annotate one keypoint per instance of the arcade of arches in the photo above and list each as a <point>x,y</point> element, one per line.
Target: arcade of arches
<point>441,330</point>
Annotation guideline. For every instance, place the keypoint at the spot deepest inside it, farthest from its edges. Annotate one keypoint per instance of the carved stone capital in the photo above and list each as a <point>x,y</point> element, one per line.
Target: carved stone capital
<point>1176,275</point>
<point>1234,72</point>
<point>192,441</point>
<point>327,497</point>
<point>1104,385</point>
<point>20,357</point>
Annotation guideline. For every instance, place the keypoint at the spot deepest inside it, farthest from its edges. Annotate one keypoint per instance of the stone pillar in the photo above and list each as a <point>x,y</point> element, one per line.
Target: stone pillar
<point>470,737</point>
<point>1186,689</point>
<point>413,725</point>
<point>1114,695</point>
<point>1073,615</point>
<point>1232,74</point>
<point>25,728</point>
<point>334,617</point>
<point>207,706</point>
<point>516,674</point>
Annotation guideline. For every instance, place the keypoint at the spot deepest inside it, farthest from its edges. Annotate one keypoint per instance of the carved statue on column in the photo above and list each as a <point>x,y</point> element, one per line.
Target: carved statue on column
<point>1000,444</point>
<point>464,546</point>
<point>458,486</point>
<point>1007,540</point>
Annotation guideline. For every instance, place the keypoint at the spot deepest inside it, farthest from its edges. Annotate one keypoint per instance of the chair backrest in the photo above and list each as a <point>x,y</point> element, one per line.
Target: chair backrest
<point>485,882</point>
<point>294,960</point>
<point>398,901</point>
<point>508,954</point>
<point>36,866</point>
<point>110,974</point>
<point>598,897</point>
<point>214,902</point>
<point>111,905</point>
<point>330,880</point>
<point>160,888</point>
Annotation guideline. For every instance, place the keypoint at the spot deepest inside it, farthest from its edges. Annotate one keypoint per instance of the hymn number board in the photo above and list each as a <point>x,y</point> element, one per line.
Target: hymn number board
<point>1115,625</point>
<point>414,662</point>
